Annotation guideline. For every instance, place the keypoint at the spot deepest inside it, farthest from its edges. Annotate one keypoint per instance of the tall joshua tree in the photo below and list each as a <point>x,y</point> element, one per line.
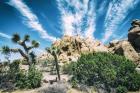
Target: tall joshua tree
<point>55,51</point>
<point>27,53</point>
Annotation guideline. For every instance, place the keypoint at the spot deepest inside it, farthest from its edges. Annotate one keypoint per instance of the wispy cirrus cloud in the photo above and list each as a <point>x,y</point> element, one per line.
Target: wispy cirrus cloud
<point>117,12</point>
<point>31,19</point>
<point>67,17</point>
<point>5,35</point>
<point>102,8</point>
<point>91,20</point>
<point>72,15</point>
<point>124,33</point>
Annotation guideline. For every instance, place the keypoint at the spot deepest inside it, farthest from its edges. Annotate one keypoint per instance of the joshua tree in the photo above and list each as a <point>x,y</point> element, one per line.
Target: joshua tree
<point>54,51</point>
<point>27,53</point>
<point>6,51</point>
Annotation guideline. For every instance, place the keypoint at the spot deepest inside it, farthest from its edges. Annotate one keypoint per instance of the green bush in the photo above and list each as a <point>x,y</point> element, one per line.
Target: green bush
<point>108,69</point>
<point>34,77</point>
<point>22,79</point>
<point>8,74</point>
<point>68,68</point>
<point>13,69</point>
<point>74,83</point>
<point>133,83</point>
<point>30,79</point>
<point>121,89</point>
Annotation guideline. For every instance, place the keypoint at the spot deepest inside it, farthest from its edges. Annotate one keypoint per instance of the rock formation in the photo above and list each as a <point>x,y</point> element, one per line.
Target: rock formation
<point>124,48</point>
<point>134,34</point>
<point>72,46</point>
<point>129,48</point>
<point>45,57</point>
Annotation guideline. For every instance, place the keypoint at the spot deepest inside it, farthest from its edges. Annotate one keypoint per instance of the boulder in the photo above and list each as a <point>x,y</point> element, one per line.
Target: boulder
<point>100,48</point>
<point>85,49</point>
<point>134,34</point>
<point>124,48</point>
<point>63,58</point>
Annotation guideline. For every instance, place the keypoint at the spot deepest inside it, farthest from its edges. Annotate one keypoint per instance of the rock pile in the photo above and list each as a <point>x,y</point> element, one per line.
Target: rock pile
<point>129,48</point>
<point>124,48</point>
<point>72,46</point>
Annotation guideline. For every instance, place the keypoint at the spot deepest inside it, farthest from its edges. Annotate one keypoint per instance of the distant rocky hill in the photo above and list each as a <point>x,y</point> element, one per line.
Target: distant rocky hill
<point>72,46</point>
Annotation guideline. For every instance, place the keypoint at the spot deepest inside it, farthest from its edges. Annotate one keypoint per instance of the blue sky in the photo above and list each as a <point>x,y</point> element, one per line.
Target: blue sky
<point>48,20</point>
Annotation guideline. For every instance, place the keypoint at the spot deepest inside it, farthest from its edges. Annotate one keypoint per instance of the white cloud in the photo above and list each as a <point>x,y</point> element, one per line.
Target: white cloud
<point>31,19</point>
<point>67,18</point>
<point>91,21</point>
<point>72,22</point>
<point>117,12</point>
<point>67,22</point>
<point>5,35</point>
<point>102,7</point>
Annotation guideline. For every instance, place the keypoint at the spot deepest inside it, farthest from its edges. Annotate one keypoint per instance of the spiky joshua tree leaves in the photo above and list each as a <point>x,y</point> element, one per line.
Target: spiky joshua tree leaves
<point>55,51</point>
<point>6,51</point>
<point>28,54</point>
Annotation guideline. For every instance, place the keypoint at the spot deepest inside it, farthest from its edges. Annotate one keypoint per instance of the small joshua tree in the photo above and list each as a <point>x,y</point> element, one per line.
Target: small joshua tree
<point>27,53</point>
<point>54,51</point>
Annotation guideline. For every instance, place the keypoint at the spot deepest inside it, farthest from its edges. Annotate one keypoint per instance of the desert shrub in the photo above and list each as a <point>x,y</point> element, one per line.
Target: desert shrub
<point>55,88</point>
<point>68,68</point>
<point>74,84</point>
<point>34,77</point>
<point>8,74</point>
<point>106,69</point>
<point>12,74</point>
<point>21,79</point>
<point>13,70</point>
<point>121,89</point>
<point>30,79</point>
<point>4,68</point>
<point>133,83</point>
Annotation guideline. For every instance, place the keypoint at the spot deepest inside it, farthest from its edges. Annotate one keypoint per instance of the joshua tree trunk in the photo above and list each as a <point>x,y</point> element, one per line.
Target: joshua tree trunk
<point>54,51</point>
<point>57,66</point>
<point>26,56</point>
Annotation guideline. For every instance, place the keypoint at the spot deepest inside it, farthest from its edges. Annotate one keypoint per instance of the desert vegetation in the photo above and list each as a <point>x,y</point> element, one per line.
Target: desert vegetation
<point>105,71</point>
<point>92,72</point>
<point>12,76</point>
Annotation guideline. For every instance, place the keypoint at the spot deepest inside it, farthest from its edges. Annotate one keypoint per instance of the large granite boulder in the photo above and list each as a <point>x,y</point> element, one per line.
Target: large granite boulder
<point>134,34</point>
<point>124,48</point>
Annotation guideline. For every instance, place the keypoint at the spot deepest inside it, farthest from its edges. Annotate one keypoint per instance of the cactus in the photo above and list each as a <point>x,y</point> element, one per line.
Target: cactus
<point>54,51</point>
<point>27,53</point>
